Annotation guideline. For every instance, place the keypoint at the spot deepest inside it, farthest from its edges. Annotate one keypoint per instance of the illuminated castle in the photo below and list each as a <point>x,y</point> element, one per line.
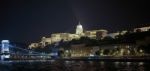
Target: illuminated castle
<point>56,37</point>
<point>93,34</point>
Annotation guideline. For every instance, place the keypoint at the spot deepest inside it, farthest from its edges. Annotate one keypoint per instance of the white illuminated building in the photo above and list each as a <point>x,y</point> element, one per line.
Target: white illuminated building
<point>5,46</point>
<point>63,36</point>
<point>5,49</point>
<point>143,29</point>
<point>113,35</point>
<point>94,34</point>
<point>33,45</point>
<point>45,41</point>
<point>79,29</point>
<point>123,32</point>
<point>56,37</point>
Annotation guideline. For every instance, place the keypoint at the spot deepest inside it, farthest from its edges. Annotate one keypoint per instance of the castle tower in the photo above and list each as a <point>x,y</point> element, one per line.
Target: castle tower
<point>5,49</point>
<point>5,46</point>
<point>79,29</point>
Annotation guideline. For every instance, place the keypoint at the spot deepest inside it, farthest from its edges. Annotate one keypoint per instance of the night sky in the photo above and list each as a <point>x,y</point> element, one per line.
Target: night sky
<point>28,20</point>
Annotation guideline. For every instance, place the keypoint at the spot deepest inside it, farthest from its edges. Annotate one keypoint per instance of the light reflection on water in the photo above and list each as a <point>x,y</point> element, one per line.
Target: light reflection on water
<point>60,65</point>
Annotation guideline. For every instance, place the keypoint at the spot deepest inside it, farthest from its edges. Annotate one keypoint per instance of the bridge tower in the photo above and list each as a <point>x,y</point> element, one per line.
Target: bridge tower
<point>5,49</point>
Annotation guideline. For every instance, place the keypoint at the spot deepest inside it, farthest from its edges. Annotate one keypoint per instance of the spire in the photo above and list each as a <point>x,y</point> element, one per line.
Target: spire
<point>79,23</point>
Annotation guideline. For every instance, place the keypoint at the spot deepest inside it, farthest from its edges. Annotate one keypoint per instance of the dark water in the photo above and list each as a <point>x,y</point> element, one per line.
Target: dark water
<point>74,66</point>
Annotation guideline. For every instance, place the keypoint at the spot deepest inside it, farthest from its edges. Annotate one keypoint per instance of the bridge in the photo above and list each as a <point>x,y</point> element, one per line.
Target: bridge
<point>10,52</point>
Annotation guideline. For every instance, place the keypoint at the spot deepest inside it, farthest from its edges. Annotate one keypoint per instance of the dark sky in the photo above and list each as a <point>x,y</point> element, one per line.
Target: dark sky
<point>29,20</point>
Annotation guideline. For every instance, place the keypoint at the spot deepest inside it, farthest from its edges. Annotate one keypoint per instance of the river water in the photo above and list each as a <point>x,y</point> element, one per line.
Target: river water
<point>59,65</point>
